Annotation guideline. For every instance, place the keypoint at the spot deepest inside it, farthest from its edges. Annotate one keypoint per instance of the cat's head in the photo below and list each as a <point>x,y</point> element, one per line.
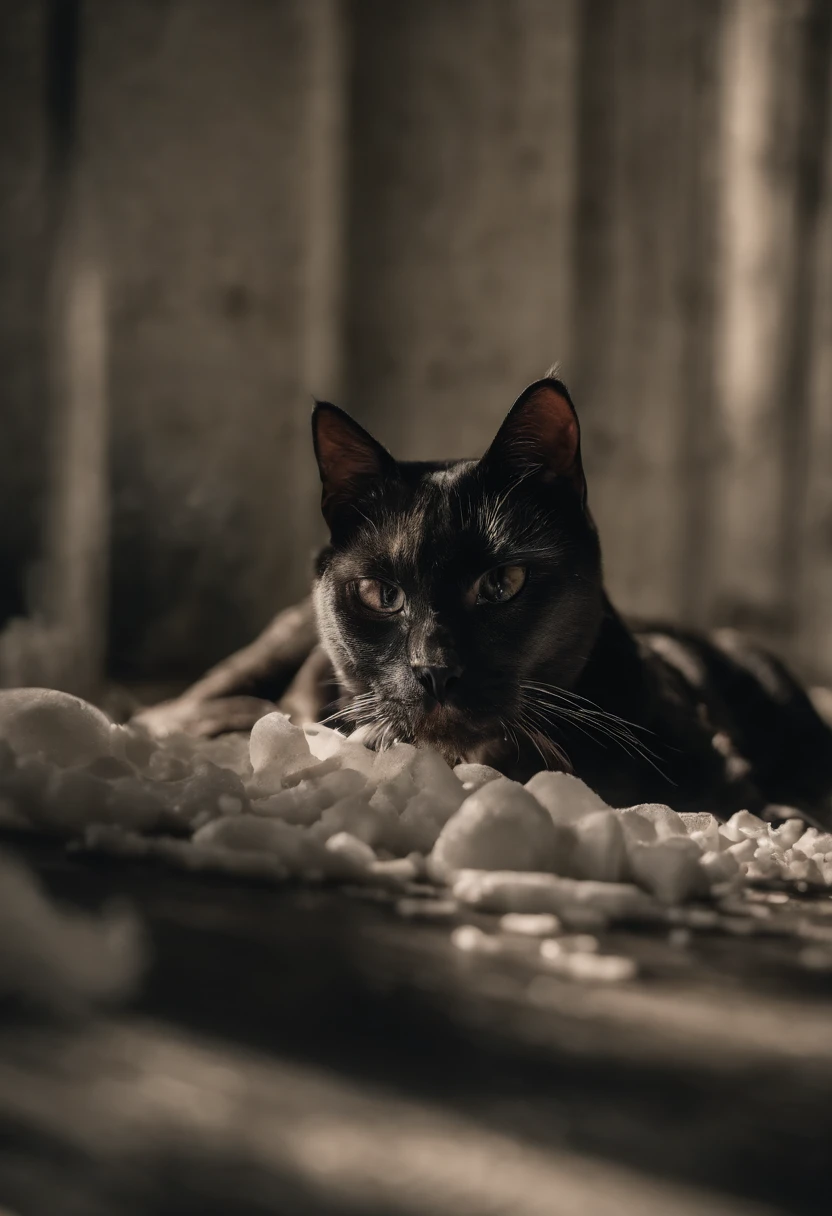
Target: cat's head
<point>448,588</point>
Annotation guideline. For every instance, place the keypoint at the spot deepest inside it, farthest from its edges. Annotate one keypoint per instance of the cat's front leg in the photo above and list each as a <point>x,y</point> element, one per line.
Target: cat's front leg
<point>243,687</point>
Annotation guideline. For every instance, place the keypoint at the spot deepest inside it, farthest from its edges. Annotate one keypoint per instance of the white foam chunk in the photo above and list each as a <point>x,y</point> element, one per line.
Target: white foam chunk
<point>500,826</point>
<point>719,866</point>
<point>530,924</point>
<point>565,797</point>
<point>703,828</point>
<point>378,829</point>
<point>473,776</point>
<point>587,966</point>
<point>294,848</point>
<point>304,803</point>
<point>742,826</point>
<point>350,846</point>
<point>63,729</point>
<point>600,848</point>
<point>566,898</point>
<point>472,940</point>
<point>276,745</point>
<point>669,868</point>
<point>323,741</point>
<point>310,801</point>
<point>665,821</point>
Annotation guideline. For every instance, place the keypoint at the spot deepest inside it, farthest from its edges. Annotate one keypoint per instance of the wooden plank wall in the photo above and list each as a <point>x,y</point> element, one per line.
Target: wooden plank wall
<point>415,208</point>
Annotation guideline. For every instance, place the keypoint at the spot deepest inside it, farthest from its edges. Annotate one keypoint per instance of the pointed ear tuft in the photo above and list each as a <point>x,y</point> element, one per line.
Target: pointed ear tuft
<point>541,434</point>
<point>348,457</point>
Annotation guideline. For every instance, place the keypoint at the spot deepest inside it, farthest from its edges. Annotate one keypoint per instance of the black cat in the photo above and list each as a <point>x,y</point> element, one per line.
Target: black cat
<point>461,605</point>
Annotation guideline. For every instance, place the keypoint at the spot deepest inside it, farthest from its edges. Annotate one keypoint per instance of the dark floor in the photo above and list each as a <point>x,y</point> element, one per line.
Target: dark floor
<point>306,1051</point>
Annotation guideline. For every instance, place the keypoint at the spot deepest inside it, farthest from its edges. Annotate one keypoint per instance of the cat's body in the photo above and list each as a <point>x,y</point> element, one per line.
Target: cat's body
<point>461,605</point>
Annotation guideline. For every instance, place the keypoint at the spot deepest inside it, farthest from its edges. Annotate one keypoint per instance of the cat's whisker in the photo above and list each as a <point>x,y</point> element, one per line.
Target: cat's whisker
<point>564,693</point>
<point>587,721</point>
<point>535,736</point>
<point>510,735</point>
<point>553,716</point>
<point>620,726</point>
<point>360,711</point>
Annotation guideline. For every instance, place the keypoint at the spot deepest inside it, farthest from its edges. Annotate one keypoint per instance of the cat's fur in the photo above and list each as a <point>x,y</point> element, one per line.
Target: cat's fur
<point>553,677</point>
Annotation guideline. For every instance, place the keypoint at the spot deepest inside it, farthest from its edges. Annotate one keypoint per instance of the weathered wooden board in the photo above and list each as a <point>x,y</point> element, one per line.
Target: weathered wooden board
<point>299,1050</point>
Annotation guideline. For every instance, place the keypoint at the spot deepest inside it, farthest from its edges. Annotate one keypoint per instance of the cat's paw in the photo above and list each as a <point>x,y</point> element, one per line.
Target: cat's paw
<point>203,718</point>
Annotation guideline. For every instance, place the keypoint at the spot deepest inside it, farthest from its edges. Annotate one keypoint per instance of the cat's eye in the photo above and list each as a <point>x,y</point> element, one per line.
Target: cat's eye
<point>499,585</point>
<point>379,596</point>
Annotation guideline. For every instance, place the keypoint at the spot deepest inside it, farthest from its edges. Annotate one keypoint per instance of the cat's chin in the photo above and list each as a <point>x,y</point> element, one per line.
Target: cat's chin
<point>455,736</point>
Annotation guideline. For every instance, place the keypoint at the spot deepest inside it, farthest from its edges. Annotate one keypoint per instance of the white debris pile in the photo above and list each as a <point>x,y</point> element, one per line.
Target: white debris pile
<point>308,802</point>
<point>61,960</point>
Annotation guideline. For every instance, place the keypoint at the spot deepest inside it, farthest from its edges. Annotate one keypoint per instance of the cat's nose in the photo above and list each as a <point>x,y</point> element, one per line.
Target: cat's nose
<point>436,680</point>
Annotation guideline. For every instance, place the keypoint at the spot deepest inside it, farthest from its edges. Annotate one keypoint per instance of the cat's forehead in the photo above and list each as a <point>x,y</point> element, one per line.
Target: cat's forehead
<point>446,515</point>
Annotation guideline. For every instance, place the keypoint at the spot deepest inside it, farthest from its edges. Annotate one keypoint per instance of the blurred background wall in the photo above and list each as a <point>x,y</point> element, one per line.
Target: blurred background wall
<point>210,211</point>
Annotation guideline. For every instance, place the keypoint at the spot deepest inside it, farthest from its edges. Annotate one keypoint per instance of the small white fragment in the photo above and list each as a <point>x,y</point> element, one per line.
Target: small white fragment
<point>472,940</point>
<point>703,828</point>
<point>670,868</point>
<point>565,797</point>
<point>506,891</point>
<point>666,821</point>
<point>323,742</point>
<point>402,869</point>
<point>277,746</point>
<point>427,909</point>
<point>787,834</point>
<point>743,851</point>
<point>305,802</point>
<point>636,827</point>
<point>587,965</point>
<point>500,826</point>
<point>719,866</point>
<point>62,728</point>
<point>576,943</point>
<point>474,776</point>
<point>530,924</point>
<point>600,851</point>
<point>743,825</point>
<point>350,846</point>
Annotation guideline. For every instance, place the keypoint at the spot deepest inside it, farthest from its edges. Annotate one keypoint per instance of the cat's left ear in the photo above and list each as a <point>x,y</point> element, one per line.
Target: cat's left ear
<point>348,458</point>
<point>541,436</point>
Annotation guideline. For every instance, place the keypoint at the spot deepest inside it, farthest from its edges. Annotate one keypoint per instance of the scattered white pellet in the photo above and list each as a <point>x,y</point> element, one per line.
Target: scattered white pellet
<point>427,909</point>
<point>499,826</point>
<point>565,797</point>
<point>473,940</point>
<point>587,965</point>
<point>352,847</point>
<point>402,869</point>
<point>574,943</point>
<point>530,924</point>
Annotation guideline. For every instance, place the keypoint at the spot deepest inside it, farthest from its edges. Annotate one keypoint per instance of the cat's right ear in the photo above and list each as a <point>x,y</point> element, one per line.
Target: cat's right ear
<point>541,435</point>
<point>348,458</point>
